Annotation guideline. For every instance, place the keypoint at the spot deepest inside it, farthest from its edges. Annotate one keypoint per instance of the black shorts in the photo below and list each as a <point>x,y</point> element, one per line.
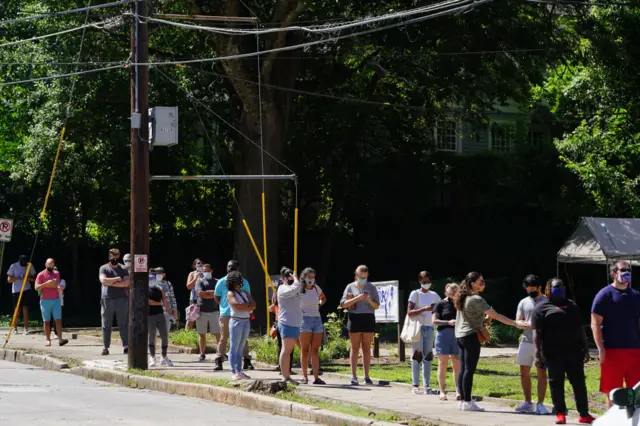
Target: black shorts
<point>28,296</point>
<point>361,323</point>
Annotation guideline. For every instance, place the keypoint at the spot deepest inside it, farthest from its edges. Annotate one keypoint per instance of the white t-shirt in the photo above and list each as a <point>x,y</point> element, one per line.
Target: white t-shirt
<point>310,302</point>
<point>421,300</point>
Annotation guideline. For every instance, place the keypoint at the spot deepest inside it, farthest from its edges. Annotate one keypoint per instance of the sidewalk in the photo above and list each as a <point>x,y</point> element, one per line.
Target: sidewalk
<point>87,349</point>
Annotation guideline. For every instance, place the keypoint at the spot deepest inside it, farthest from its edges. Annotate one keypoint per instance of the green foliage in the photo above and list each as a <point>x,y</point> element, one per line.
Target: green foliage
<point>503,334</point>
<point>188,338</point>
<point>337,347</point>
<point>5,321</point>
<point>266,350</point>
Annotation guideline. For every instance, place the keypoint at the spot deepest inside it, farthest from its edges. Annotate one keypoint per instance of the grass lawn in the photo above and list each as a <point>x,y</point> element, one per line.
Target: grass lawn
<point>495,377</point>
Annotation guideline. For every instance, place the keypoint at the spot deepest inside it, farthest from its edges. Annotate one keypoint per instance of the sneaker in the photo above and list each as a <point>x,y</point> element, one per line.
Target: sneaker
<point>237,377</point>
<point>542,410</point>
<point>47,343</point>
<point>15,331</point>
<point>247,364</point>
<point>166,362</point>
<point>319,382</point>
<point>368,381</point>
<point>416,390</point>
<point>62,342</point>
<point>218,364</point>
<point>292,382</point>
<point>429,391</point>
<point>561,419</point>
<point>460,405</point>
<point>586,420</point>
<point>526,407</point>
<point>105,352</point>
<point>354,381</point>
<point>152,361</point>
<point>125,350</point>
<point>471,406</point>
<point>202,357</point>
<point>244,376</point>
<point>25,331</point>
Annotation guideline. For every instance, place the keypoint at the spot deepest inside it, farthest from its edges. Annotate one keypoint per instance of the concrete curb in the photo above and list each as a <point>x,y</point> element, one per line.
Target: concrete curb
<point>23,357</point>
<point>171,348</point>
<point>233,397</point>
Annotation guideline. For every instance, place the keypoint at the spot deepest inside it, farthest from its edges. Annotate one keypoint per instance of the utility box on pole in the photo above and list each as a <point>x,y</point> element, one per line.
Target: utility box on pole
<point>163,126</point>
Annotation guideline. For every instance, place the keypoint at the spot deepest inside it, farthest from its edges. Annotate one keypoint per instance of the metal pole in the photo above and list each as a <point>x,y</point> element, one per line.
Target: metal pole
<point>1,258</point>
<point>139,237</point>
<point>225,177</point>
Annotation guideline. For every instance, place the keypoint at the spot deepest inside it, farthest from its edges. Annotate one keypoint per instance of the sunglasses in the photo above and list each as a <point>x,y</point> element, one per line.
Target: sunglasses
<point>624,270</point>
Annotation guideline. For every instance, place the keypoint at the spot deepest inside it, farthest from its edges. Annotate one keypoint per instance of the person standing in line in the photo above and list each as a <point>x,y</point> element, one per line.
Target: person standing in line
<point>276,310</point>
<point>526,350</point>
<point>561,345</point>
<point>158,304</point>
<point>61,287</point>
<point>472,313</point>
<point>361,299</point>
<point>241,304</point>
<point>444,316</point>
<point>15,276</point>
<point>289,320</point>
<point>115,300</point>
<point>209,316</point>
<point>421,304</point>
<point>171,313</point>
<point>192,279</point>
<point>615,322</point>
<point>47,281</point>
<point>126,262</point>
<point>225,314</point>
<point>311,330</point>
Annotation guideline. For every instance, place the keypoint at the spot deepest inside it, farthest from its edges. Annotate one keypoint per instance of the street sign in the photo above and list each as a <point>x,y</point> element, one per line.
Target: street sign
<point>140,264</point>
<point>6,228</point>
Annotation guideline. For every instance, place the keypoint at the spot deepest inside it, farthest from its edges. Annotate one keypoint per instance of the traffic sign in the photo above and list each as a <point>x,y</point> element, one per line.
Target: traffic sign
<point>140,264</point>
<point>6,228</point>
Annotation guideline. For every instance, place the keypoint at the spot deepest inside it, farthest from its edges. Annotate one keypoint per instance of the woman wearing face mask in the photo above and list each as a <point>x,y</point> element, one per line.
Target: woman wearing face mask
<point>192,279</point>
<point>241,304</point>
<point>276,310</point>
<point>167,287</point>
<point>289,320</point>
<point>361,299</point>
<point>156,321</point>
<point>444,316</point>
<point>421,304</point>
<point>311,330</point>
<point>561,346</point>
<point>472,313</point>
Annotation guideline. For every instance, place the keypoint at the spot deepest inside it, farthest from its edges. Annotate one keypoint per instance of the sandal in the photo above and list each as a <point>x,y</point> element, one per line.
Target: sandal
<point>443,397</point>
<point>305,380</point>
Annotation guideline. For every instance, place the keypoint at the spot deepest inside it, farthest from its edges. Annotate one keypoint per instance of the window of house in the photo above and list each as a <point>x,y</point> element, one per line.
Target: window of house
<point>502,136</point>
<point>446,135</point>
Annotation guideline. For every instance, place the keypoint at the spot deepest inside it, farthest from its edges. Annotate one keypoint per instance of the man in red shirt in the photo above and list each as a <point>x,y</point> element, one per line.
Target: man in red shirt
<point>48,281</point>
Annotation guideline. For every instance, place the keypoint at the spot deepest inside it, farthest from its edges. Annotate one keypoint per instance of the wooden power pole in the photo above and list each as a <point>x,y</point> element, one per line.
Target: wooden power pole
<point>139,288</point>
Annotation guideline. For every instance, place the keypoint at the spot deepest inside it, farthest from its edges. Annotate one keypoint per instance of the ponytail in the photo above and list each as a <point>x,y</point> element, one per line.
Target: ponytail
<point>466,289</point>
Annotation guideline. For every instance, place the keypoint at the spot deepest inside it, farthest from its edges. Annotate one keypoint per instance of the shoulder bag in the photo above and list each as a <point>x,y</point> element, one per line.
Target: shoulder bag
<point>484,335</point>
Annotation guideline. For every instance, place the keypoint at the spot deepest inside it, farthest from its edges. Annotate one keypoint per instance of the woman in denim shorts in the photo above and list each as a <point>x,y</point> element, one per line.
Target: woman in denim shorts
<point>444,316</point>
<point>311,330</point>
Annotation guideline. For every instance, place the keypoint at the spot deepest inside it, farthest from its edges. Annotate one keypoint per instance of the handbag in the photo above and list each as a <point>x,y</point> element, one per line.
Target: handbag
<point>193,312</point>
<point>273,333</point>
<point>483,333</point>
<point>410,330</point>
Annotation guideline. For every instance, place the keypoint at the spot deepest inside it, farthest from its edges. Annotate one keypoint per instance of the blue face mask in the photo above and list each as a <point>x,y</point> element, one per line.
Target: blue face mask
<point>624,277</point>
<point>558,293</point>
<point>309,281</point>
<point>362,281</point>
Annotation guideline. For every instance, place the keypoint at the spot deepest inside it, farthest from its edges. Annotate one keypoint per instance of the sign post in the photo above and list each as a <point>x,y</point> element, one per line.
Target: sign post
<point>388,312</point>
<point>6,229</point>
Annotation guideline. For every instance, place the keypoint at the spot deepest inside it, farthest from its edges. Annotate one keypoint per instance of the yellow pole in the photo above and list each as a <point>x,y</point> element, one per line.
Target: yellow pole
<point>14,320</point>
<point>295,243</point>
<point>266,264</point>
<point>255,247</point>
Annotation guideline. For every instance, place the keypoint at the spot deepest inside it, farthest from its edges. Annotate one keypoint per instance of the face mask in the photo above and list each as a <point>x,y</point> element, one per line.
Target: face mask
<point>159,277</point>
<point>362,281</point>
<point>113,261</point>
<point>558,294</point>
<point>624,277</point>
<point>481,287</point>
<point>290,281</point>
<point>207,275</point>
<point>23,263</point>
<point>309,281</point>
<point>533,294</point>
<point>426,286</point>
<point>199,269</point>
<point>127,264</point>
<point>50,268</point>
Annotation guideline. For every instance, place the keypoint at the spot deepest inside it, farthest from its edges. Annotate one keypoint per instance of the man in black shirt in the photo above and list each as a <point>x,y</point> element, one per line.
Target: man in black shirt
<point>561,346</point>
<point>209,317</point>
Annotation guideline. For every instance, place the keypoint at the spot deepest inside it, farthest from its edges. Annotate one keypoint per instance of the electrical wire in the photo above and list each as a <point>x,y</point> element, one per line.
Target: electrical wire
<point>66,12</point>
<point>102,24</point>
<point>585,3</point>
<point>321,28</point>
<point>324,41</point>
<point>59,76</point>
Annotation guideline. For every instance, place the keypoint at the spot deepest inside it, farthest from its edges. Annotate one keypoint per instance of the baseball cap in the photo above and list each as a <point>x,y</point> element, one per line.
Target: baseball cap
<point>23,257</point>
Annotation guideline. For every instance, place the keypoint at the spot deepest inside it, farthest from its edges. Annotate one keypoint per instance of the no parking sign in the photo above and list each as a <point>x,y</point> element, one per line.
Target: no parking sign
<point>6,228</point>
<point>140,263</point>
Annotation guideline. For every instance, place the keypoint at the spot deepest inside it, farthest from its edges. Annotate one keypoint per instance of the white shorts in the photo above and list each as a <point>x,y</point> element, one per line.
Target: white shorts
<point>210,320</point>
<point>526,354</point>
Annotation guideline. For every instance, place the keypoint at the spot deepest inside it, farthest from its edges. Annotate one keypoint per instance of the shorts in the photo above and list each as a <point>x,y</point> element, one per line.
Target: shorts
<point>619,365</point>
<point>28,296</point>
<point>210,320</point>
<point>446,343</point>
<point>526,354</point>
<point>361,323</point>
<point>49,308</point>
<point>312,325</point>
<point>288,332</point>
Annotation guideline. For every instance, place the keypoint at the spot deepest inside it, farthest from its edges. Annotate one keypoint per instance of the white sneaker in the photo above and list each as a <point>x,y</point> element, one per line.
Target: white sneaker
<point>460,405</point>
<point>417,391</point>
<point>25,331</point>
<point>237,377</point>
<point>542,410</point>
<point>152,361</point>
<point>471,406</point>
<point>15,331</point>
<point>526,407</point>
<point>166,362</point>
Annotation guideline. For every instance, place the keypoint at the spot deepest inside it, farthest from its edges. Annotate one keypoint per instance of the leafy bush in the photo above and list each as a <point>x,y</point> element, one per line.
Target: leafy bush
<point>183,337</point>
<point>266,349</point>
<point>5,321</point>
<point>503,334</point>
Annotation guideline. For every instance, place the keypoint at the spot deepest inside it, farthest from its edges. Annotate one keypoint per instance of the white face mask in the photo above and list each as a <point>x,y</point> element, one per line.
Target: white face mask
<point>207,275</point>
<point>159,277</point>
<point>426,286</point>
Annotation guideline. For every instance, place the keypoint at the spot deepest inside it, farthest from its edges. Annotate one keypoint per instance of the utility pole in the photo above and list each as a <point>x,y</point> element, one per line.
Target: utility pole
<point>139,237</point>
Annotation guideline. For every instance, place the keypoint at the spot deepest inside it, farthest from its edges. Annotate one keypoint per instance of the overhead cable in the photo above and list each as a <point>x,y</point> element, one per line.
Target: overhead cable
<point>66,12</point>
<point>59,76</point>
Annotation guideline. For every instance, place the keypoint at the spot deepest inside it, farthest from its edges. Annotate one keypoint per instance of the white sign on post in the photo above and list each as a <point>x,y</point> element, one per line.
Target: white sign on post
<point>389,309</point>
<point>6,228</point>
<point>140,264</point>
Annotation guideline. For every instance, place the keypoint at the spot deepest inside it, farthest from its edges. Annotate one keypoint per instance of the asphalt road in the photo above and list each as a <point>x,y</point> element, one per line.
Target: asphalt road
<point>33,396</point>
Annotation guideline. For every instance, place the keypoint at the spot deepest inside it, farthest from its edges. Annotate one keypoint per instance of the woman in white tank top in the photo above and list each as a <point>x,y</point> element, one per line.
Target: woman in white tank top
<point>241,304</point>
<point>311,330</point>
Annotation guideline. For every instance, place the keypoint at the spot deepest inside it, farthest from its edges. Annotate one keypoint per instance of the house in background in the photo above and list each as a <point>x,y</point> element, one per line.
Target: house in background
<point>504,128</point>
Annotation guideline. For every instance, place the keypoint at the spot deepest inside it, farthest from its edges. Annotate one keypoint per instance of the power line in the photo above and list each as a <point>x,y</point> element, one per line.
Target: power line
<point>59,76</point>
<point>66,12</point>
<point>99,25</point>
<point>321,28</point>
<point>585,3</point>
<point>327,40</point>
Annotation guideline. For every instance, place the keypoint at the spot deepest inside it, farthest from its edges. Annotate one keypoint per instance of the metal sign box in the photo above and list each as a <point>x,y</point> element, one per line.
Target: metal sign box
<point>163,126</point>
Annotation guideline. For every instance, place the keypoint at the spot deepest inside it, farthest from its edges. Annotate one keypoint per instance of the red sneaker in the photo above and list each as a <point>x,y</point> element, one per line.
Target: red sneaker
<point>561,419</point>
<point>586,420</point>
